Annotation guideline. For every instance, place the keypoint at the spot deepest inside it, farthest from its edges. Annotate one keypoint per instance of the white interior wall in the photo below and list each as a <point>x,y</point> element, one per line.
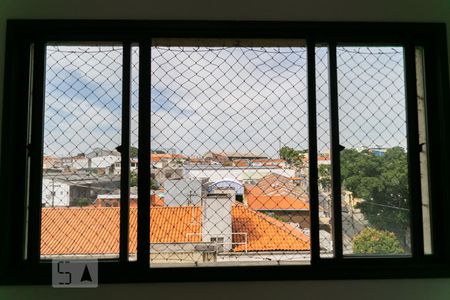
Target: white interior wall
<point>296,10</point>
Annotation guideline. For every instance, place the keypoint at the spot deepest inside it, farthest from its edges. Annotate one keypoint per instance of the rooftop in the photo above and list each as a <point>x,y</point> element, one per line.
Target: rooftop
<point>95,231</point>
<point>276,192</point>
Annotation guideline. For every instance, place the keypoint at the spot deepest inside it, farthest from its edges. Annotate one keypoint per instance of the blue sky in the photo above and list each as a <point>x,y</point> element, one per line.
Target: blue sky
<point>243,99</point>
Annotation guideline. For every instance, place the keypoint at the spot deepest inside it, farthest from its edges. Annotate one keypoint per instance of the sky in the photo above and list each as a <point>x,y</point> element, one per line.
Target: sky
<point>222,98</point>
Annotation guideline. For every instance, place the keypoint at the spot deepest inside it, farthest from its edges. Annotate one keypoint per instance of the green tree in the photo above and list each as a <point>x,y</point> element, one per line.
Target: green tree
<point>382,183</point>
<point>292,157</point>
<point>154,185</point>
<point>133,151</point>
<point>325,176</point>
<point>373,241</point>
<point>159,152</point>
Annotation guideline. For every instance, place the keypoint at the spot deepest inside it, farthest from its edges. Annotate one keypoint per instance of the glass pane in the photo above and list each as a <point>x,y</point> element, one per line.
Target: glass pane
<point>229,153</point>
<point>82,128</point>
<point>421,98</point>
<point>134,145</point>
<point>372,127</point>
<point>323,147</point>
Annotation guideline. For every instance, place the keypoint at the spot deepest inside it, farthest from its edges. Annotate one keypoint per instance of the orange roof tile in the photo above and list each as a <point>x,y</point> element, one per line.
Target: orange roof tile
<point>265,233</point>
<point>81,231</point>
<point>259,199</point>
<point>276,192</point>
<point>156,200</point>
<point>175,224</point>
<point>241,163</point>
<point>158,157</point>
<point>93,230</point>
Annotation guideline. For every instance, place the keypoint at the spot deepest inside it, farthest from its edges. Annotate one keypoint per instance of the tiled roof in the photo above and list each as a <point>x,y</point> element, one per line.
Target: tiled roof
<point>81,231</point>
<point>265,233</point>
<point>68,231</point>
<point>175,224</point>
<point>158,157</point>
<point>241,163</point>
<point>156,200</point>
<point>258,199</point>
<point>275,191</point>
<point>269,161</point>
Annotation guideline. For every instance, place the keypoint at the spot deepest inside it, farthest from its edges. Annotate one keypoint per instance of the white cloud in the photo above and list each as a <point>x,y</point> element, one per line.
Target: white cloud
<point>226,99</point>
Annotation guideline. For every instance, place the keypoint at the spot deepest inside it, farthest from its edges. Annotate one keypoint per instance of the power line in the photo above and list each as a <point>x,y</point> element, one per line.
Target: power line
<point>384,205</point>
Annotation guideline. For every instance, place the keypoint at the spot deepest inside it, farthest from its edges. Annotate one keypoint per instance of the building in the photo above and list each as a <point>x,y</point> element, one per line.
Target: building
<point>188,191</point>
<point>216,173</point>
<point>51,162</point>
<point>281,163</point>
<point>228,156</point>
<point>287,199</point>
<point>55,192</point>
<point>115,168</point>
<point>235,185</point>
<point>103,162</point>
<point>114,200</point>
<point>80,185</point>
<point>380,152</point>
<point>73,163</point>
<point>159,161</point>
<point>285,206</point>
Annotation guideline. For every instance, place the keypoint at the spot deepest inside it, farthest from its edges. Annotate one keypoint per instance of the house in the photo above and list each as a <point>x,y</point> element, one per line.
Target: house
<point>55,192</point>
<point>114,200</point>
<point>159,161</point>
<point>229,156</point>
<point>76,162</point>
<point>324,159</point>
<point>216,173</point>
<point>218,231</point>
<point>51,162</point>
<point>279,196</point>
<point>103,162</point>
<point>188,191</point>
<point>281,163</point>
<point>80,184</point>
<point>115,168</point>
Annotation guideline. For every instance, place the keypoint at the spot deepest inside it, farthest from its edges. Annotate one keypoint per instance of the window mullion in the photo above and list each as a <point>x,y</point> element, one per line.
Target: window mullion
<point>125,153</point>
<point>335,152</point>
<point>143,234</point>
<point>313,173</point>
<point>413,153</point>
<point>36,151</point>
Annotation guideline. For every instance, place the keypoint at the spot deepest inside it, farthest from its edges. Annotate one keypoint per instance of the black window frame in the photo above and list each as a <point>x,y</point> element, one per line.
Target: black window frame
<point>21,156</point>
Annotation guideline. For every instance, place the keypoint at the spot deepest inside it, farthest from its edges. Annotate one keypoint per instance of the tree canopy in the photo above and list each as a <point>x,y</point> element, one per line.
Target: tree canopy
<point>292,156</point>
<point>382,183</point>
<point>133,151</point>
<point>373,241</point>
<point>154,185</point>
<point>325,176</point>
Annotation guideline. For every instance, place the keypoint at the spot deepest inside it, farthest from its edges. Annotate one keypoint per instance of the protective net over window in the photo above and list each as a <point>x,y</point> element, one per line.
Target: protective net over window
<point>229,155</point>
<point>374,168</point>
<point>229,152</point>
<point>81,166</point>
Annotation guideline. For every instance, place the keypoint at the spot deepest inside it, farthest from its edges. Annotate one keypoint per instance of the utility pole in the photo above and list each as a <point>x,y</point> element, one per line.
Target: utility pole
<point>279,147</point>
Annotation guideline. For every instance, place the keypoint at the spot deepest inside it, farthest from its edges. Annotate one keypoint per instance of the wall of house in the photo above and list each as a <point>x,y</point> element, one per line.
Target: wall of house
<point>300,10</point>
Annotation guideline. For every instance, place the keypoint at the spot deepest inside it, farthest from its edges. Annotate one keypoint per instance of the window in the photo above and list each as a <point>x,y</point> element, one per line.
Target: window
<point>164,149</point>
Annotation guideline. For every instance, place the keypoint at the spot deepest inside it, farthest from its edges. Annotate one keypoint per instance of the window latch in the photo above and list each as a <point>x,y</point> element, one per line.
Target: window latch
<point>119,149</point>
